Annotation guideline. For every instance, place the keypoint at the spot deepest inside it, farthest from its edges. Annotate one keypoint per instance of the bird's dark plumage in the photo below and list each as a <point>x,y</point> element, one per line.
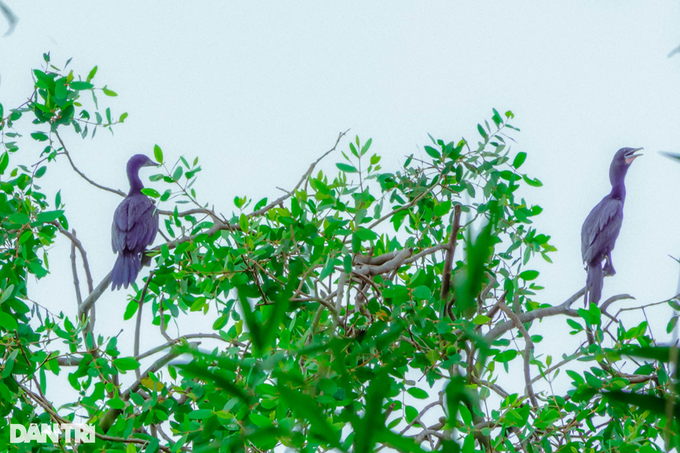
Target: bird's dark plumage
<point>135,224</point>
<point>602,226</point>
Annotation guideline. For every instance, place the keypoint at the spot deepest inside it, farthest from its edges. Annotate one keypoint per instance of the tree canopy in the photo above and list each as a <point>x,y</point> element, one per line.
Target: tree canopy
<point>366,308</point>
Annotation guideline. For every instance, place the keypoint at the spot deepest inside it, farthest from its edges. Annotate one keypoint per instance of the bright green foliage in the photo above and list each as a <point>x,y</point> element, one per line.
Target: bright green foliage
<point>343,313</point>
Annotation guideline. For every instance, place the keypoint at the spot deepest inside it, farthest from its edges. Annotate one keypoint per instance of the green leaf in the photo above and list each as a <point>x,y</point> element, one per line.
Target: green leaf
<point>81,85</point>
<point>646,402</point>
<point>199,414</point>
<point>347,263</point>
<point>126,363</point>
<point>201,371</point>
<point>482,132</point>
<point>92,73</point>
<point>40,136</point>
<point>481,320</point>
<point>418,393</point>
<point>519,159</point>
<point>49,216</point>
<point>177,174</point>
<point>303,406</point>
<point>532,182</point>
<point>497,120</point>
<point>7,322</point>
<point>244,222</point>
<point>432,152</point>
<point>7,293</point>
<point>574,325</point>
<point>158,154</point>
<point>346,168</point>
<point>260,420</point>
<point>109,92</point>
<point>9,364</point>
<point>220,322</point>
<point>130,310</point>
<point>364,149</point>
<point>661,353</point>
<point>422,293</point>
<point>327,269</point>
<point>529,275</point>
<point>122,117</point>
<point>149,192</point>
<point>41,171</point>
<point>4,161</point>
<point>575,376</point>
<point>19,218</point>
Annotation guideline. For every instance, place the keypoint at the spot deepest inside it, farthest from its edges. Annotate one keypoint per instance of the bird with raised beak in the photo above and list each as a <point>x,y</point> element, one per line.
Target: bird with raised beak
<point>135,224</point>
<point>602,226</point>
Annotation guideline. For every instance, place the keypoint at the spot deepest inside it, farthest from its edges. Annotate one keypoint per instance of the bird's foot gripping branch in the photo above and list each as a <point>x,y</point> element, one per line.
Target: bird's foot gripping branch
<point>364,308</point>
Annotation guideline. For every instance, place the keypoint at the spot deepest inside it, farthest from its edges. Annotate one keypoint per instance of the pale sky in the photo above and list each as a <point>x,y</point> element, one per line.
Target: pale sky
<point>258,90</point>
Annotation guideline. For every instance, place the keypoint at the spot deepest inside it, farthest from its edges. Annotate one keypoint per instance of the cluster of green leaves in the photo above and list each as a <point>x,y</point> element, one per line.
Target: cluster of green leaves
<point>28,227</point>
<point>342,313</point>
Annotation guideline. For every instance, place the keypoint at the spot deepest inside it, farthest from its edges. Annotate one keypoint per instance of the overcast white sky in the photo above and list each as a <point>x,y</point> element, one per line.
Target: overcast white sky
<point>258,90</point>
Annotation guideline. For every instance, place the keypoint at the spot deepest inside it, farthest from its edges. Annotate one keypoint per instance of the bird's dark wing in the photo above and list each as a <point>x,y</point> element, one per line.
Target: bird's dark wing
<point>144,230</point>
<point>601,228</point>
<point>135,224</point>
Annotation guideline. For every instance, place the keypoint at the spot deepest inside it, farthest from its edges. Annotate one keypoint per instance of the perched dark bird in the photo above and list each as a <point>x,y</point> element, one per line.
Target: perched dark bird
<point>602,226</point>
<point>135,224</point>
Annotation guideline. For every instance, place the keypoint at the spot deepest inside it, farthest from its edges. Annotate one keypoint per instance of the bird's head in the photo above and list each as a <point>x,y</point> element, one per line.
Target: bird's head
<point>140,160</point>
<point>628,154</point>
<point>622,160</point>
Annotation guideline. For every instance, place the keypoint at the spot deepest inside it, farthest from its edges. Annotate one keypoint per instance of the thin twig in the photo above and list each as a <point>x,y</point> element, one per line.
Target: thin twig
<point>108,189</point>
<point>528,347</point>
<point>303,179</point>
<point>83,254</point>
<point>138,325</point>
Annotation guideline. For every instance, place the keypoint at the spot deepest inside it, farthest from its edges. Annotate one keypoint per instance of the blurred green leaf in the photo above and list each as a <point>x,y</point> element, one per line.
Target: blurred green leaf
<point>126,363</point>
<point>346,168</point>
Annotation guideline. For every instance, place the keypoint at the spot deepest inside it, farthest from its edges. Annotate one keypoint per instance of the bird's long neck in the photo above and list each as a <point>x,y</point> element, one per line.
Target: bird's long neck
<point>619,191</point>
<point>136,185</point>
<point>617,176</point>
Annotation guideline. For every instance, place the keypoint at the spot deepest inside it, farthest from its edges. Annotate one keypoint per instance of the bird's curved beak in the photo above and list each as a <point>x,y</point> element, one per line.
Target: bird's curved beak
<point>151,164</point>
<point>631,156</point>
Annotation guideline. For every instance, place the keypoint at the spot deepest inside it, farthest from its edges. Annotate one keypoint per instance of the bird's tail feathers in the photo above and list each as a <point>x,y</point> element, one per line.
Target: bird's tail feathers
<point>125,270</point>
<point>594,284</point>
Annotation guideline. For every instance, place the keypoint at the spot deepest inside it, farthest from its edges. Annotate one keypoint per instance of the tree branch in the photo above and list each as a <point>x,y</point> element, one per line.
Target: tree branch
<point>528,347</point>
<point>387,266</point>
<point>539,313</point>
<point>74,270</point>
<point>95,295</point>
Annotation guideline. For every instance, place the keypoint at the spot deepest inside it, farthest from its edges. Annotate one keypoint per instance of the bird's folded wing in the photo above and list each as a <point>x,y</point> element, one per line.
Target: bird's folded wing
<point>601,228</point>
<point>135,224</point>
